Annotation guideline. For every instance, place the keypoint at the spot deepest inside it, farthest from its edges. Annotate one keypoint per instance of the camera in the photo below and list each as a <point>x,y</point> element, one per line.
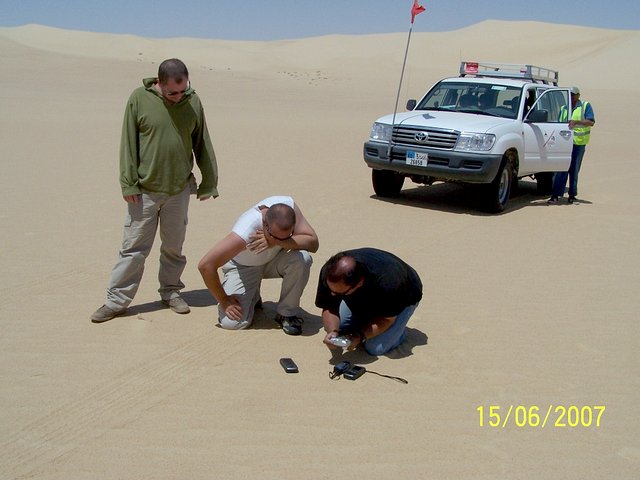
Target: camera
<point>341,341</point>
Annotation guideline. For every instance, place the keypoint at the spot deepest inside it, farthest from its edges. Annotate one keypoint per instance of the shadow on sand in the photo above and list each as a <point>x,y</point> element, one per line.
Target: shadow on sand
<point>467,199</point>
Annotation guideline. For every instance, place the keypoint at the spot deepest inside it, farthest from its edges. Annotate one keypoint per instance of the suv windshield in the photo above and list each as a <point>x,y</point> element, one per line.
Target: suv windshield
<point>483,99</point>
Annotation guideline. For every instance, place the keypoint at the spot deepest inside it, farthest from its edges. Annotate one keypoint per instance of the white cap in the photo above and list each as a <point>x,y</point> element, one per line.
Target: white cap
<point>575,90</point>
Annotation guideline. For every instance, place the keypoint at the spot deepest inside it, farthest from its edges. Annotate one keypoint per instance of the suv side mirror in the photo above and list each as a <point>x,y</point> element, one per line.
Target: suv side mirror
<point>411,104</point>
<point>537,116</point>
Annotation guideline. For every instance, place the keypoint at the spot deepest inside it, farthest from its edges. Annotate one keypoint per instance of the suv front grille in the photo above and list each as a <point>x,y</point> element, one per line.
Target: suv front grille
<point>427,137</point>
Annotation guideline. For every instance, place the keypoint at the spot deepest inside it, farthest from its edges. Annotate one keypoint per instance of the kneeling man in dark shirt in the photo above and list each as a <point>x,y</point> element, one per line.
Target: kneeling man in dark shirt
<point>368,295</point>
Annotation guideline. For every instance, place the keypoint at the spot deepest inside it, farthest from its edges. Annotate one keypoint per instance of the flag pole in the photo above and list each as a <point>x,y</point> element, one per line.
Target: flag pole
<point>416,9</point>
<point>395,108</point>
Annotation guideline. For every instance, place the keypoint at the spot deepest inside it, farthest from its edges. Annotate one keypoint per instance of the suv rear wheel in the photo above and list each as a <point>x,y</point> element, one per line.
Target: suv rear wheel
<point>386,183</point>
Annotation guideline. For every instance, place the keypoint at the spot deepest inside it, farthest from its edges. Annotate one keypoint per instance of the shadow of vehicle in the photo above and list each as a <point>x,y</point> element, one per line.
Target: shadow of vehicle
<point>464,198</point>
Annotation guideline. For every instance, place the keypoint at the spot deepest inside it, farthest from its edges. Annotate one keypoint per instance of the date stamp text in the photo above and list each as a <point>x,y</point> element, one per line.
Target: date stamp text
<point>534,416</point>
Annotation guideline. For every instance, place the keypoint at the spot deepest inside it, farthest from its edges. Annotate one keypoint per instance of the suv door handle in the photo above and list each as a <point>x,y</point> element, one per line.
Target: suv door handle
<point>566,134</point>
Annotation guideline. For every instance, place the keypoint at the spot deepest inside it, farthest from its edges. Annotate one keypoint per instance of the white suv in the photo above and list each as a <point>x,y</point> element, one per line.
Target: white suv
<point>493,124</point>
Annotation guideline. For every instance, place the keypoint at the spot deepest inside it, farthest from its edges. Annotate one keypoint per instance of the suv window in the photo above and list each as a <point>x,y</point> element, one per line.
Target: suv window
<point>549,105</point>
<point>485,99</point>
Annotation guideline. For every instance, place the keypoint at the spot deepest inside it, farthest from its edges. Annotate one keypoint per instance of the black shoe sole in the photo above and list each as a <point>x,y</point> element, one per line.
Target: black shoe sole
<point>292,333</point>
<point>287,330</point>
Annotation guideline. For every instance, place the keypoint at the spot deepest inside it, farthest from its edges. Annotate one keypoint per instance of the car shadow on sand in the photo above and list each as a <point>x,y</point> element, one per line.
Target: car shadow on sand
<point>466,199</point>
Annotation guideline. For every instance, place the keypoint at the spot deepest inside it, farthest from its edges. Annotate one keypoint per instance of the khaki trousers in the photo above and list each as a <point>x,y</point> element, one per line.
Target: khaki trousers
<point>293,266</point>
<point>169,212</point>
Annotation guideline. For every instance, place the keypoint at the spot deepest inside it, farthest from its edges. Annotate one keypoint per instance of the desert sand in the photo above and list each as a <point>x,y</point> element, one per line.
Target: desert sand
<point>530,308</point>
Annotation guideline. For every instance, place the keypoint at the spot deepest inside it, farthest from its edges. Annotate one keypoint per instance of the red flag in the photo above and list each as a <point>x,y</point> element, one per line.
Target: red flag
<point>415,10</point>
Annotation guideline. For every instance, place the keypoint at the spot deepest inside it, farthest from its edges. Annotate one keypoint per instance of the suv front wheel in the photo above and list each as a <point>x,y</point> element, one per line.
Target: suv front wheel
<point>386,183</point>
<point>497,193</point>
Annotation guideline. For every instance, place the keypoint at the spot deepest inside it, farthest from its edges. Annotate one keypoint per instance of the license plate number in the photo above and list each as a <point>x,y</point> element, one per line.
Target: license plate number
<point>417,159</point>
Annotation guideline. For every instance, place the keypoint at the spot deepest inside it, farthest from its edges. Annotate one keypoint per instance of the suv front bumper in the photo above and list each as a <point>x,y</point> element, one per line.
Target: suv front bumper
<point>445,165</point>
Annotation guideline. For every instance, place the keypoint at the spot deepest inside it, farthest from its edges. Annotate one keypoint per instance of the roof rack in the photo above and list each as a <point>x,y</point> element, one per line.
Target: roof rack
<point>509,70</point>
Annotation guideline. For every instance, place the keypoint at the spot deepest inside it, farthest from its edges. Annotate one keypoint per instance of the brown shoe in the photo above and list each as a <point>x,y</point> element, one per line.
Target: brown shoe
<point>177,304</point>
<point>105,313</point>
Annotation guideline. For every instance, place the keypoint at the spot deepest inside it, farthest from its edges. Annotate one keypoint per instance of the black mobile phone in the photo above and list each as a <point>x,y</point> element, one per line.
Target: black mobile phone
<point>289,365</point>
<point>354,372</point>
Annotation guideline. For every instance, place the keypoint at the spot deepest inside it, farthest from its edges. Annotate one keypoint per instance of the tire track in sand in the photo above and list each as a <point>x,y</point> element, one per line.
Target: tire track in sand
<point>116,402</point>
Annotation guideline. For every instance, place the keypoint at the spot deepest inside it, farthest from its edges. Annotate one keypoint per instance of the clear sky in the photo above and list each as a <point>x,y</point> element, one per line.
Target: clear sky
<point>287,19</point>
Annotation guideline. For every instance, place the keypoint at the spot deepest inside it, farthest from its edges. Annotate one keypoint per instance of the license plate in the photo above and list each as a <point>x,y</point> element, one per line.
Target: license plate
<point>417,159</point>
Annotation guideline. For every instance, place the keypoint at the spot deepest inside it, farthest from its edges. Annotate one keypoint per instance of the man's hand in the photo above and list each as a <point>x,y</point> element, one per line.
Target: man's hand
<point>214,259</point>
<point>327,340</point>
<point>355,342</point>
<point>205,197</point>
<point>331,324</point>
<point>132,198</point>
<point>258,242</point>
<point>231,307</point>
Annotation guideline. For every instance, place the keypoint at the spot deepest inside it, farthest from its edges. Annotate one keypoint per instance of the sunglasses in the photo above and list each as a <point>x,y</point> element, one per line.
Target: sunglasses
<point>268,230</point>
<point>343,294</point>
<point>173,94</point>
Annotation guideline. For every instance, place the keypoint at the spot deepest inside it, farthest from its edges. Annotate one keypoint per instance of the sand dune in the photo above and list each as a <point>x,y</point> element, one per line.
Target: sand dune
<point>535,307</point>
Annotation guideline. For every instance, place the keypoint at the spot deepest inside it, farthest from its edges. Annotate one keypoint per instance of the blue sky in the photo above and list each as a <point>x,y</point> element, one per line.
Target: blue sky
<point>285,19</point>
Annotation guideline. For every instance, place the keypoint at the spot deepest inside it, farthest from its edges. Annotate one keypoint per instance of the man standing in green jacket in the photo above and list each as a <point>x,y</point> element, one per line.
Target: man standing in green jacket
<point>164,129</point>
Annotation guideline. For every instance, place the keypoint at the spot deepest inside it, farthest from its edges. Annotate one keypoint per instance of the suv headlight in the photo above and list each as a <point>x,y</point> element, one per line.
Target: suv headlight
<point>475,142</point>
<point>381,132</point>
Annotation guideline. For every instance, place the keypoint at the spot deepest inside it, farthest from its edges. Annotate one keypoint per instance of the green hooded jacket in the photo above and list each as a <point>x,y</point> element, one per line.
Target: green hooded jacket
<point>160,141</point>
